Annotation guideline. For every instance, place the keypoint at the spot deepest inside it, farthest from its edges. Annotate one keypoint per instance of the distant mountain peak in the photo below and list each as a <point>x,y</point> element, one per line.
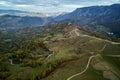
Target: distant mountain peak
<point>115,5</point>
<point>107,16</point>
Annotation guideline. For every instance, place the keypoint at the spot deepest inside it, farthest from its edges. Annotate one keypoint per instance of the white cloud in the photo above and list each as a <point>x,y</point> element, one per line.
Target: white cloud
<point>4,3</point>
<point>52,5</point>
<point>22,5</point>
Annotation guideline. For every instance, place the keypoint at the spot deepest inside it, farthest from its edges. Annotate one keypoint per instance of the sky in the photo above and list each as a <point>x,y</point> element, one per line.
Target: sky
<point>51,6</point>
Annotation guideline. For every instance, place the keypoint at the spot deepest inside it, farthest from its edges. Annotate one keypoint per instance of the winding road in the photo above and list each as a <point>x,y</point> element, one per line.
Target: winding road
<point>74,31</point>
<point>49,55</point>
<point>103,47</point>
<point>101,39</point>
<point>11,61</point>
<point>90,58</point>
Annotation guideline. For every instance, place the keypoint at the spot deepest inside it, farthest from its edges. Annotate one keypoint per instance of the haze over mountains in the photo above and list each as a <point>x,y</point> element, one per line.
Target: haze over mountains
<point>25,13</point>
<point>83,44</point>
<point>95,17</point>
<point>100,18</point>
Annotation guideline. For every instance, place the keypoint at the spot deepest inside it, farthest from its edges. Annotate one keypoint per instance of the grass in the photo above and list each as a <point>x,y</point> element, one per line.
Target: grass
<point>68,68</point>
<point>16,71</point>
<point>62,53</point>
<point>71,57</point>
<point>62,50</point>
<point>90,74</point>
<point>25,72</point>
<point>16,68</point>
<point>93,46</point>
<point>113,64</point>
<point>65,49</point>
<point>65,52</point>
<point>87,45</point>
<point>112,49</point>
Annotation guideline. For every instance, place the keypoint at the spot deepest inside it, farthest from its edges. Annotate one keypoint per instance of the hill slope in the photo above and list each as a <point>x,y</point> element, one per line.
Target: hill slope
<point>96,17</point>
<point>45,53</point>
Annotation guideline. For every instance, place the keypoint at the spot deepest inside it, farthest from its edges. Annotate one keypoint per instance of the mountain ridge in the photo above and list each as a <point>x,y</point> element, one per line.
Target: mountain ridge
<point>107,16</point>
<point>105,19</point>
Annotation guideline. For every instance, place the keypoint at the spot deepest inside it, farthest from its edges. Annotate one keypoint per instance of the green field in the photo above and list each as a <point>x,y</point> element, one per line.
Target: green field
<point>56,53</point>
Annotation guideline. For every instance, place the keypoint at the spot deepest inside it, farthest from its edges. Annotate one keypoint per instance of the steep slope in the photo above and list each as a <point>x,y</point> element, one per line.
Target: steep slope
<point>95,17</point>
<point>90,63</point>
<point>45,53</point>
<point>104,19</point>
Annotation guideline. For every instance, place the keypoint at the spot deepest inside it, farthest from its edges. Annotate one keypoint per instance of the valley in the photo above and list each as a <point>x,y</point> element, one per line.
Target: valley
<point>59,40</point>
<point>57,52</point>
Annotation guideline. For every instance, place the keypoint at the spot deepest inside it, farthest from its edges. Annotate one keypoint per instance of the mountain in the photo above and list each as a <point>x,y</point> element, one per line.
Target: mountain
<point>46,52</point>
<point>104,19</point>
<point>22,13</point>
<point>9,21</point>
<point>32,14</point>
<point>34,48</point>
<point>12,11</point>
<point>95,17</point>
<point>17,19</point>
